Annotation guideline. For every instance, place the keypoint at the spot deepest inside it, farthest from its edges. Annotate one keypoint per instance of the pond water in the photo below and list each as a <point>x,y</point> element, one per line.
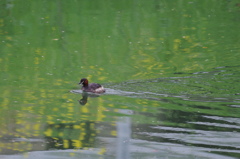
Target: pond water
<point>170,68</point>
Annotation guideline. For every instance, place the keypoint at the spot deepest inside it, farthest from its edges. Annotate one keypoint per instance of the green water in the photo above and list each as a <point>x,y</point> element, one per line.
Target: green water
<point>171,70</point>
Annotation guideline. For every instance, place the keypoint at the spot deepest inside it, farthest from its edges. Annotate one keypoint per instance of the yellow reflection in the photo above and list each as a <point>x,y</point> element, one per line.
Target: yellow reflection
<point>8,38</point>
<point>60,134</point>
<point>84,110</point>
<point>48,132</point>
<point>36,60</point>
<point>176,44</point>
<point>71,154</point>
<point>152,39</point>
<point>77,143</point>
<point>102,78</point>
<point>113,133</point>
<point>65,144</point>
<point>102,151</point>
<point>76,127</point>
<point>58,82</point>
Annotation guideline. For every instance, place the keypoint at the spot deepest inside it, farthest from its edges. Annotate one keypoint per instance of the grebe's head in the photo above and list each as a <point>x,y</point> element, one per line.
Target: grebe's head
<point>83,82</point>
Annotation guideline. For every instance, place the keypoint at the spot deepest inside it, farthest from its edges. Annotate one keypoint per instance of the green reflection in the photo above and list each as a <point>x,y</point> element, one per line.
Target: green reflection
<point>47,46</point>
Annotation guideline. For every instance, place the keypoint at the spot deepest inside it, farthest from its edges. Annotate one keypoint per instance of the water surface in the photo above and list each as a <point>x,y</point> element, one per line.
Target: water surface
<point>170,68</point>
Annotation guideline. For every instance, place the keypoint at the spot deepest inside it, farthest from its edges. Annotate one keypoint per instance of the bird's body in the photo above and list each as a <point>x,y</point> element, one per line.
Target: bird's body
<point>92,87</point>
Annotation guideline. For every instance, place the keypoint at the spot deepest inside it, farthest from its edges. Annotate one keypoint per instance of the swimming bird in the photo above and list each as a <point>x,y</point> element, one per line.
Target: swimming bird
<point>92,87</point>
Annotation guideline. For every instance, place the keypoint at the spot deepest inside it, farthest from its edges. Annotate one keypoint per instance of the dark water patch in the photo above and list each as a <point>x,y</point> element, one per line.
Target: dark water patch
<point>205,140</point>
<point>194,111</point>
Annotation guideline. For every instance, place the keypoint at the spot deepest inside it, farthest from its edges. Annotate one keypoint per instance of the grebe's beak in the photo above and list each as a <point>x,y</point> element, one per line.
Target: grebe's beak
<point>80,83</point>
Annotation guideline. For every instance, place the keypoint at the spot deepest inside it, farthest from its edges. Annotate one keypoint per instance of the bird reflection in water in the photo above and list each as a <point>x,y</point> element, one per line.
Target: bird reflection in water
<point>85,96</point>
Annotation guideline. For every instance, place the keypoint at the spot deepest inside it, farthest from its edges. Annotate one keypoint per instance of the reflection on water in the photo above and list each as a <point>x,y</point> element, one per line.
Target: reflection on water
<point>171,69</point>
<point>192,125</point>
<point>85,96</point>
<point>150,118</point>
<point>70,135</point>
<point>84,99</point>
<point>194,128</point>
<point>123,136</point>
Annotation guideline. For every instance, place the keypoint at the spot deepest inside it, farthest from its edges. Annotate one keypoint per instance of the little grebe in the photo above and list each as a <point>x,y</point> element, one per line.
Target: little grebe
<point>92,87</point>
